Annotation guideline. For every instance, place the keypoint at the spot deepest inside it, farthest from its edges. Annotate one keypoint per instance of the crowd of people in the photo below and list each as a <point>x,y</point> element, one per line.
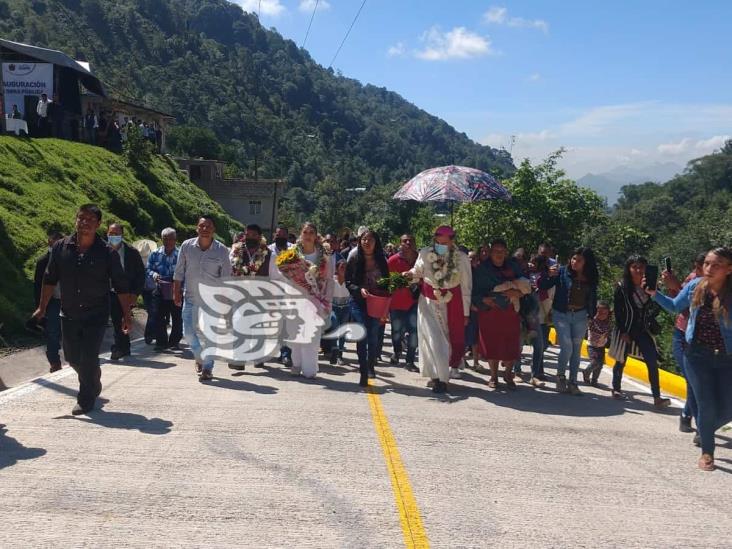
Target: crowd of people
<point>456,304</point>
<point>103,128</point>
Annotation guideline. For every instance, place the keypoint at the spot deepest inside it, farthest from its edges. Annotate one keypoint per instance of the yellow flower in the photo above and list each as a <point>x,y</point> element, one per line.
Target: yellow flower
<point>287,256</point>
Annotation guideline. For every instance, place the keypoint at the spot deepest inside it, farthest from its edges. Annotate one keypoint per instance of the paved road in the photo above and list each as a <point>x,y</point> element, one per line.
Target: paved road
<point>263,459</point>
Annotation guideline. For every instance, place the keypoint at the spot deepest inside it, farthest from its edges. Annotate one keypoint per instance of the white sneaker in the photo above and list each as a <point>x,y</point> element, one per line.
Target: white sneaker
<point>455,373</point>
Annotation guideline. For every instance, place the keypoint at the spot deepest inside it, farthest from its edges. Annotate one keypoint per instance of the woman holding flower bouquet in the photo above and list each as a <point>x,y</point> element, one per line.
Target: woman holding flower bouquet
<point>444,307</point>
<point>364,268</point>
<point>310,267</point>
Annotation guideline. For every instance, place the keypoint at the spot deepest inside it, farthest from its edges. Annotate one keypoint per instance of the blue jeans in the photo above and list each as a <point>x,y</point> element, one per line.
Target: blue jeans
<point>677,346</point>
<point>53,331</point>
<point>368,349</point>
<point>151,306</point>
<point>190,333</point>
<point>537,357</point>
<point>404,322</point>
<point>339,316</point>
<point>571,329</point>
<point>710,377</point>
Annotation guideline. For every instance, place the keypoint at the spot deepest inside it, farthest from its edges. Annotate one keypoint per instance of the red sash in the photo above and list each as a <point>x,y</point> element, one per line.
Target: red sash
<point>455,321</point>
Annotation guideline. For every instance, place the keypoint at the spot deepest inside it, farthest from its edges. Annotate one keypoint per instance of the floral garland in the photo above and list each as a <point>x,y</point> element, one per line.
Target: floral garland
<point>444,273</point>
<point>316,274</point>
<point>245,264</point>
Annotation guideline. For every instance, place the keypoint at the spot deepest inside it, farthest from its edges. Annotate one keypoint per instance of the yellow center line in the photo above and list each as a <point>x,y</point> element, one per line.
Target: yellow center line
<point>412,527</point>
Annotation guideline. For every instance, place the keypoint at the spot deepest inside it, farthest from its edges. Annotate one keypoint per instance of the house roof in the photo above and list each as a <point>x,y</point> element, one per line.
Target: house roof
<point>90,82</point>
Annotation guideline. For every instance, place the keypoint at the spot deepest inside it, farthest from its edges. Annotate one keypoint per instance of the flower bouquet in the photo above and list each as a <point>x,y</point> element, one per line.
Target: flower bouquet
<point>306,275</point>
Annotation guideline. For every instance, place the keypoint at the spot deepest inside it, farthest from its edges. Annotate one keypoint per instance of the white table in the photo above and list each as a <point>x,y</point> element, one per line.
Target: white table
<point>16,125</point>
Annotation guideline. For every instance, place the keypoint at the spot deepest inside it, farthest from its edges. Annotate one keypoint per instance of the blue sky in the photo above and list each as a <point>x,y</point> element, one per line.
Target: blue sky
<point>616,83</point>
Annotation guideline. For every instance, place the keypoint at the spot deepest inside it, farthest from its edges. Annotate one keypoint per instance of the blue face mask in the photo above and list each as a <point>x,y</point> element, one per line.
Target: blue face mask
<point>115,240</point>
<point>441,249</point>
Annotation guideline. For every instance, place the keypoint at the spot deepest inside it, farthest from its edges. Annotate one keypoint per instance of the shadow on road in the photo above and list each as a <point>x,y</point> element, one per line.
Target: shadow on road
<point>136,361</point>
<point>125,420</point>
<point>236,385</point>
<point>12,451</point>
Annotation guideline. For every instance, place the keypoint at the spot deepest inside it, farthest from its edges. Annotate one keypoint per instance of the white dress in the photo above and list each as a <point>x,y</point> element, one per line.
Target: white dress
<point>434,337</point>
<point>305,355</point>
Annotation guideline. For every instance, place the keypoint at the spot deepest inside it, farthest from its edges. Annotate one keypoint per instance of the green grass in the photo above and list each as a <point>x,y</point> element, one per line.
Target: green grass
<point>42,182</point>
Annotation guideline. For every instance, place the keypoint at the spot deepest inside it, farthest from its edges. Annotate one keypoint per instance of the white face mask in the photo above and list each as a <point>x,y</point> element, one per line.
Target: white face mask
<point>115,240</point>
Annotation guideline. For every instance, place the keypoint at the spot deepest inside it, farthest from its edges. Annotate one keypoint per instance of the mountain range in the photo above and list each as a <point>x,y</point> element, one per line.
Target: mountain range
<point>608,184</point>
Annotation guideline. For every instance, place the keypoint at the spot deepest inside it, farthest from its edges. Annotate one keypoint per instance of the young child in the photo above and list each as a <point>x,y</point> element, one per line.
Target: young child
<point>598,332</point>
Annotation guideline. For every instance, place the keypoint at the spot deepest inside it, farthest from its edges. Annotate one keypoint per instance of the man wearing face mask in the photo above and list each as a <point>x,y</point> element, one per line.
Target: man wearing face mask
<point>134,270</point>
<point>444,307</point>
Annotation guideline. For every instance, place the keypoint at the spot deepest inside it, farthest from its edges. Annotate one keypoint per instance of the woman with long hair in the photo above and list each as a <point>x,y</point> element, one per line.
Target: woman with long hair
<point>575,302</point>
<point>635,328</point>
<point>317,284</point>
<point>364,268</point>
<point>708,355</point>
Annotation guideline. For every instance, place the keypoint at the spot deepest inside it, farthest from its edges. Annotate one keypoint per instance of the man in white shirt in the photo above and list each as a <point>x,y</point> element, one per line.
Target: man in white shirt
<point>42,112</point>
<point>200,259</point>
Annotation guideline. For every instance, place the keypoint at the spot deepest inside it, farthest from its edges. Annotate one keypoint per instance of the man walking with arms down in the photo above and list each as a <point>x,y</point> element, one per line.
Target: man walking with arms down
<point>200,259</point>
<point>83,265</point>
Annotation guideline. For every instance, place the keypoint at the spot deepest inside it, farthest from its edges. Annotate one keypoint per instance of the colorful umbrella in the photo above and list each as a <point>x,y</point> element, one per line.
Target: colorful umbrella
<point>452,184</point>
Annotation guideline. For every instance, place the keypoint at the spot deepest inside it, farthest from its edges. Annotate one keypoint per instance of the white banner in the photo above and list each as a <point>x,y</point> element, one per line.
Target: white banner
<point>21,79</point>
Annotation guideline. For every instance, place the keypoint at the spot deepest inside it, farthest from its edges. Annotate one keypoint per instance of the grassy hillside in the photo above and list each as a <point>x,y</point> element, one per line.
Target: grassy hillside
<point>42,182</point>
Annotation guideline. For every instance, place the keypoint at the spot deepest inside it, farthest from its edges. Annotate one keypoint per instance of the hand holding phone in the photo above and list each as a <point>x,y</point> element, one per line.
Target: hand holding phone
<point>651,277</point>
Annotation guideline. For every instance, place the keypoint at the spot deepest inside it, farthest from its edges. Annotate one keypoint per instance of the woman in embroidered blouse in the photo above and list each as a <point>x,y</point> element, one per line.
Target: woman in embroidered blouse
<point>635,319</point>
<point>364,268</point>
<point>308,247</point>
<point>498,284</point>
<point>708,355</point>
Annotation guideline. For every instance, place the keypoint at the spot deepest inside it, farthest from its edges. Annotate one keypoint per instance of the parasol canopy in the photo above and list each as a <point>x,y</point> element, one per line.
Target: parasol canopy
<point>453,184</point>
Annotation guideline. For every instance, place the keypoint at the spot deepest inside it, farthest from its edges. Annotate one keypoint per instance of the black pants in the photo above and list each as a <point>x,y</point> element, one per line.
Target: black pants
<point>166,308</point>
<point>121,339</point>
<point>82,339</point>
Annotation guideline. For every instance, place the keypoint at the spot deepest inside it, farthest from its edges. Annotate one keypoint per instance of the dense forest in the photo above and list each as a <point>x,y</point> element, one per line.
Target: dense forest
<point>245,94</point>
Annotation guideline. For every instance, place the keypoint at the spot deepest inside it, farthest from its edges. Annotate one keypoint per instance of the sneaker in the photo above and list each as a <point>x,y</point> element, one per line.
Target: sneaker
<point>199,368</point>
<point>116,355</point>
<point>536,382</point>
<point>572,389</point>
<point>340,361</point>
<point>206,375</point>
<point>78,410</point>
<point>618,395</point>
<point>685,424</point>
<point>455,373</point>
<point>661,403</point>
<point>237,367</point>
<point>561,384</point>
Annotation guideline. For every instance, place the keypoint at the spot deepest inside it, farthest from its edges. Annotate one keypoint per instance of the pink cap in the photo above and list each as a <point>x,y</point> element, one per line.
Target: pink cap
<point>445,230</point>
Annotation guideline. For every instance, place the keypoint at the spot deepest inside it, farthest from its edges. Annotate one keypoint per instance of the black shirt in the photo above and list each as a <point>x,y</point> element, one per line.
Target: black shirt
<point>84,278</point>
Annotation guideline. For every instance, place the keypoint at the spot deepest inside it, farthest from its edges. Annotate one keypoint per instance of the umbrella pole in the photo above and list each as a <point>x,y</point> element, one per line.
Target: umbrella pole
<point>452,205</point>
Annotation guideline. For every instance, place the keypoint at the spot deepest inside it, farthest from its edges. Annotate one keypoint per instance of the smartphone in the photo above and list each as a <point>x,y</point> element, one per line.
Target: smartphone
<point>651,277</point>
<point>667,263</point>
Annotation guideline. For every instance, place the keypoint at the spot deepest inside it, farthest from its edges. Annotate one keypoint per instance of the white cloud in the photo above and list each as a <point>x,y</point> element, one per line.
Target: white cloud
<point>271,8</point>
<point>397,50</point>
<point>498,15</point>
<point>536,77</point>
<point>309,5</point>
<point>689,145</point>
<point>458,43</point>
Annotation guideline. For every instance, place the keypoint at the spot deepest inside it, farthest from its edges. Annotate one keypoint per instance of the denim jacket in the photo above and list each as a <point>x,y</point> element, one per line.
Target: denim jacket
<point>563,284</point>
<point>682,302</point>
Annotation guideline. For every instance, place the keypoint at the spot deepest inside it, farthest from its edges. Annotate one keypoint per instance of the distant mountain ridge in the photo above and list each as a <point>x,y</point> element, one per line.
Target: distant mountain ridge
<point>608,184</point>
